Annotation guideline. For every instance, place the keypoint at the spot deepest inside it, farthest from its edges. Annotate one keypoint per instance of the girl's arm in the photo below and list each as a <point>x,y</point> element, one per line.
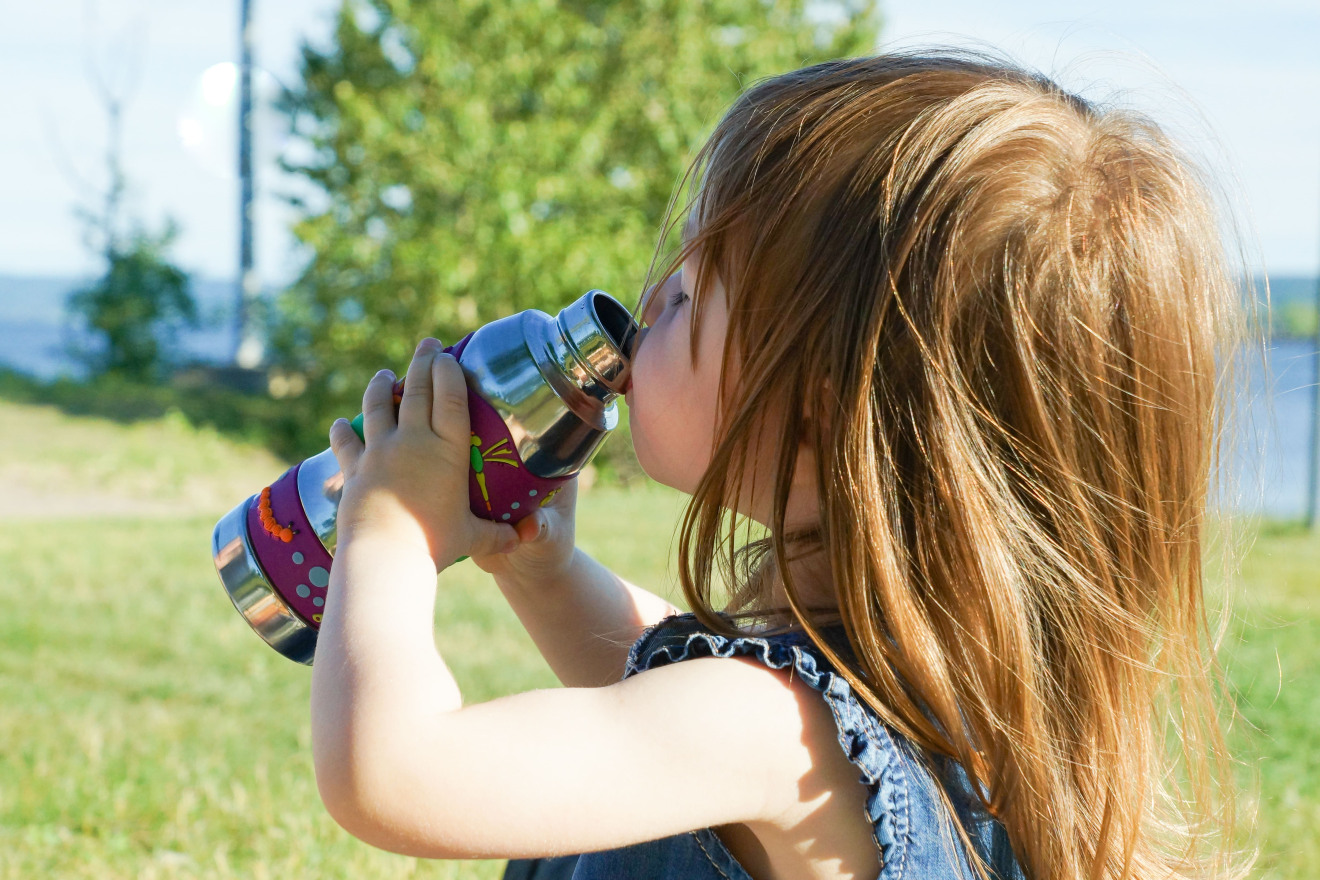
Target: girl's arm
<point>582,616</point>
<point>583,620</point>
<point>402,765</point>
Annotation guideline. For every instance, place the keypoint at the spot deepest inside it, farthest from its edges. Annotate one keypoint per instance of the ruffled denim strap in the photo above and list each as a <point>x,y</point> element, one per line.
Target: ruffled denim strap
<point>867,743</point>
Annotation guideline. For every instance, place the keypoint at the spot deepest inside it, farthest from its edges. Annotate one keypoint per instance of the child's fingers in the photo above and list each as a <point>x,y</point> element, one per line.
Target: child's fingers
<point>530,528</point>
<point>346,446</point>
<point>449,411</point>
<point>415,408</point>
<point>378,406</point>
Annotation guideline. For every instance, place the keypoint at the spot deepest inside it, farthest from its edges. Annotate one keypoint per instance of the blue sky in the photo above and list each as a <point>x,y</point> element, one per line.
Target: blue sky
<point>1237,80</point>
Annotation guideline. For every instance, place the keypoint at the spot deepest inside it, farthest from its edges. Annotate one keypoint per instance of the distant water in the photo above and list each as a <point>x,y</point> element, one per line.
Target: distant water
<point>1268,459</point>
<point>34,334</point>
<point>1270,451</point>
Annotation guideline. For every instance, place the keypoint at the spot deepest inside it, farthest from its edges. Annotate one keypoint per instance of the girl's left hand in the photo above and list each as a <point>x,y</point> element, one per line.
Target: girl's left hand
<point>409,482</point>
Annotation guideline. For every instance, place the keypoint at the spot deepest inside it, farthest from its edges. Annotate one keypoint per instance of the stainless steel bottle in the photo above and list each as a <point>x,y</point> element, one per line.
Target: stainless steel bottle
<point>541,396</point>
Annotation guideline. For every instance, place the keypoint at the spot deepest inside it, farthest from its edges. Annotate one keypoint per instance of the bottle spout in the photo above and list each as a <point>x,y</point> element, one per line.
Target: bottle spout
<point>601,334</point>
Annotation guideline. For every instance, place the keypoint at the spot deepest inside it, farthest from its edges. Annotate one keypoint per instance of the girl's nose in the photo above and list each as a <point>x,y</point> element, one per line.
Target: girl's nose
<point>657,296</point>
<point>651,308</point>
<point>635,344</point>
<point>654,303</point>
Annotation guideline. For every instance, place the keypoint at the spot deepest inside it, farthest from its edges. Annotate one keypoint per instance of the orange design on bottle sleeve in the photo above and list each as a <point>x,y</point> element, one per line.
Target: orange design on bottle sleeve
<point>273,528</point>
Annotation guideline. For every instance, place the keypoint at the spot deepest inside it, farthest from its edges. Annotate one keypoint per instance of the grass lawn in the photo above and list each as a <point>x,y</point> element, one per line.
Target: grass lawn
<point>1272,656</point>
<point>147,732</point>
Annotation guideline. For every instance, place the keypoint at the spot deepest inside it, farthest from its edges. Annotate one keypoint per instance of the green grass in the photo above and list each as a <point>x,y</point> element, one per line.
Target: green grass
<point>1272,656</point>
<point>147,732</point>
<point>60,463</point>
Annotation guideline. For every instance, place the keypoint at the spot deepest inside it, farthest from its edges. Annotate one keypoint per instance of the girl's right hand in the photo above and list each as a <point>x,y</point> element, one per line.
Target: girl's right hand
<point>546,541</point>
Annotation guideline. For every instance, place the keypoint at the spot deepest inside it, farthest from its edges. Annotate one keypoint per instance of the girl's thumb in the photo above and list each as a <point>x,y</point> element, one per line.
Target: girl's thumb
<point>531,529</point>
<point>495,538</point>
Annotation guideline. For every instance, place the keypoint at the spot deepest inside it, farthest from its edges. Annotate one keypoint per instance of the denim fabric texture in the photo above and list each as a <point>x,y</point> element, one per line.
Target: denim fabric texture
<point>912,829</point>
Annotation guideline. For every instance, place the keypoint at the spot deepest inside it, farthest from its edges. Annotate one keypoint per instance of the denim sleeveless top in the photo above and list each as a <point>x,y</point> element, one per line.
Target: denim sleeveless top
<point>912,829</point>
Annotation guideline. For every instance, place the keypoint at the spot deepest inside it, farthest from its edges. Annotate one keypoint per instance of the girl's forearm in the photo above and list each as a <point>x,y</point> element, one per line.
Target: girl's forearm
<point>584,622</point>
<point>377,671</point>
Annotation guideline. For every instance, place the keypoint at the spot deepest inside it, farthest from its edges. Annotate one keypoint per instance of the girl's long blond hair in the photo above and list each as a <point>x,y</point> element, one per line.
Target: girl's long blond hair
<point>994,310</point>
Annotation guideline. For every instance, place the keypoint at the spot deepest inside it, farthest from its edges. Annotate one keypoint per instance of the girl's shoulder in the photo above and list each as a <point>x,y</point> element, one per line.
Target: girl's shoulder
<point>912,825</point>
<point>681,636</point>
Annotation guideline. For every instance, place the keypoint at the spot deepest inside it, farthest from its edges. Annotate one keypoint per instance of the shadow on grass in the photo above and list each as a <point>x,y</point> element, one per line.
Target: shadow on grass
<point>236,405</point>
<point>242,415</point>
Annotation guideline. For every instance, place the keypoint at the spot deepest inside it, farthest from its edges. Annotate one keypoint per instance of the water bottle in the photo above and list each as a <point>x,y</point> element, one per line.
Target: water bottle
<point>541,394</point>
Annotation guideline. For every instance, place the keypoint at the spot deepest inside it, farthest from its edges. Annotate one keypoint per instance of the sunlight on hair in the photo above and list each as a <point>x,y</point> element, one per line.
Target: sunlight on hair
<point>1006,319</point>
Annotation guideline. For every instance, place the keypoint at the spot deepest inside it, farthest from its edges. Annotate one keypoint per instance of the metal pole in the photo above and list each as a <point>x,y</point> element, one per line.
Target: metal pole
<point>251,348</point>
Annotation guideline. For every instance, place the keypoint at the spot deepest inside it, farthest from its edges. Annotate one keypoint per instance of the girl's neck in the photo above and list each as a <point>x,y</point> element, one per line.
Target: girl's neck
<point>814,583</point>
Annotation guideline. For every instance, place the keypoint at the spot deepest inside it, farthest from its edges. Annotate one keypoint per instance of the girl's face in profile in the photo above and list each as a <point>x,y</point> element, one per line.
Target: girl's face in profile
<point>672,411</point>
<point>672,407</point>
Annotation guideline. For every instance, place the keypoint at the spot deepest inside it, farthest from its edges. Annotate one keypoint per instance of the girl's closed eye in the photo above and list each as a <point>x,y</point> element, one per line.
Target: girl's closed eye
<point>676,298</point>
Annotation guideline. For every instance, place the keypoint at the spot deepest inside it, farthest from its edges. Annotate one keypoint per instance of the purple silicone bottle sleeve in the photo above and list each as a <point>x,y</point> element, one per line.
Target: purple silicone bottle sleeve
<point>500,488</point>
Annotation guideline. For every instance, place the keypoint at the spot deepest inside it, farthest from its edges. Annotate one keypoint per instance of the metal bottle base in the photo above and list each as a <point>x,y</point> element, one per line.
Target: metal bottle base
<point>251,592</point>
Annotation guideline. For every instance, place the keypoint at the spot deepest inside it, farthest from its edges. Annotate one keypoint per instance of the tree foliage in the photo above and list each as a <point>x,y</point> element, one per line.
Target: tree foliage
<point>136,308</point>
<point>473,159</point>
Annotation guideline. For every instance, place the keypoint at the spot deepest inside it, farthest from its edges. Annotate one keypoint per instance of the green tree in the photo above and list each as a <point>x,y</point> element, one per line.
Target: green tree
<point>472,159</point>
<point>136,307</point>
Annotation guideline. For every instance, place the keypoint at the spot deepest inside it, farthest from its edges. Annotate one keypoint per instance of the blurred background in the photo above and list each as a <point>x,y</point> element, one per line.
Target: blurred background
<point>221,219</point>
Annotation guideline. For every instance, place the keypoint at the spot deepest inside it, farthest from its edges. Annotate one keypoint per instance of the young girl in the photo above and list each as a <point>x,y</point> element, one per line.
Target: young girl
<point>946,332</point>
